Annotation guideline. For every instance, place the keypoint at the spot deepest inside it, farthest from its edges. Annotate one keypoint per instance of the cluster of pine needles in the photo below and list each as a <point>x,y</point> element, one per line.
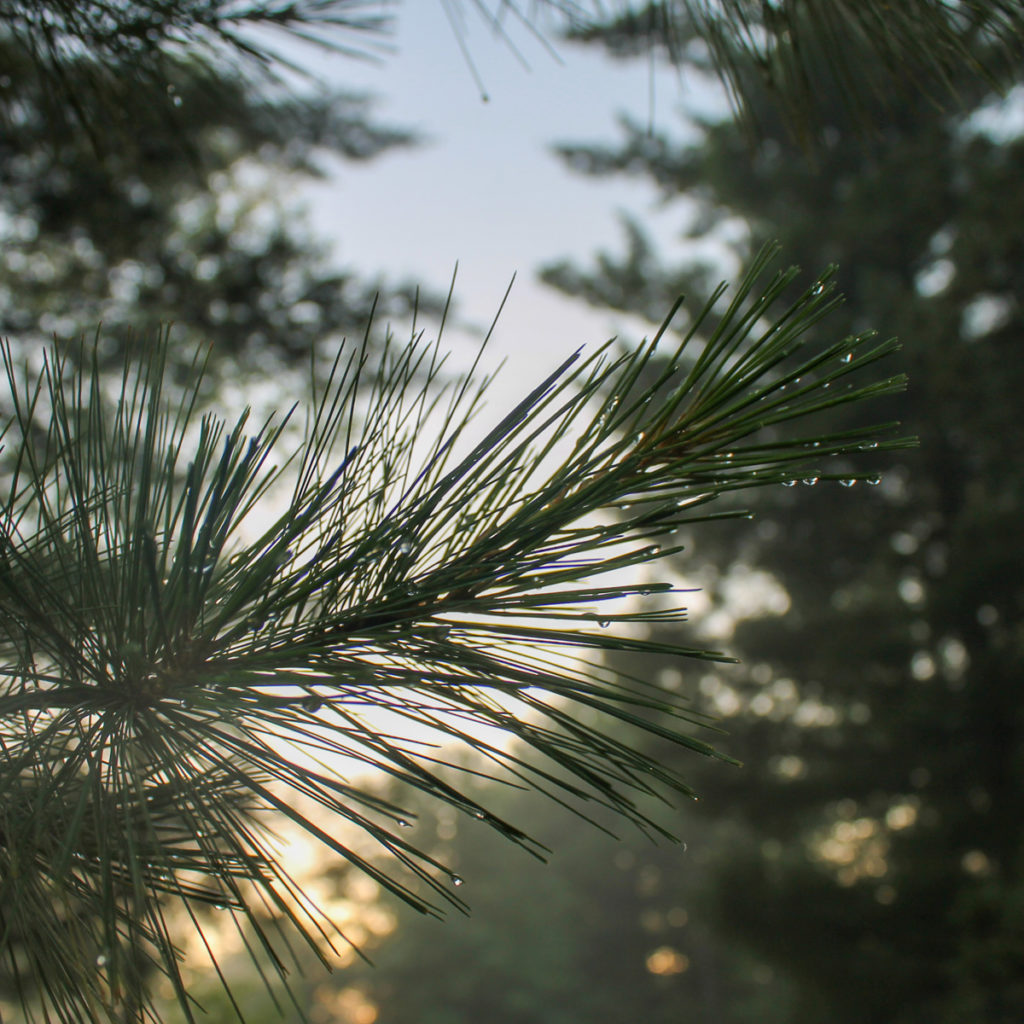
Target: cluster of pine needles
<point>182,663</point>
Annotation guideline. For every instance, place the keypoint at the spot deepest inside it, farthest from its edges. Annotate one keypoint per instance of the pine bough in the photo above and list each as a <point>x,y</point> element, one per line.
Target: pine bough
<point>176,669</point>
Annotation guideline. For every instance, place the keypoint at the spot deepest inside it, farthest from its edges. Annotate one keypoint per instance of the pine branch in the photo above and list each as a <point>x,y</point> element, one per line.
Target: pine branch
<point>177,662</point>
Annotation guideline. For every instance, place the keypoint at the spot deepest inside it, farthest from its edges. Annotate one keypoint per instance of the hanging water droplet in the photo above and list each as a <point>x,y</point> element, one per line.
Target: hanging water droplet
<point>173,93</point>
<point>402,823</point>
<point>809,481</point>
<point>479,815</point>
<point>604,623</point>
<point>102,960</point>
<point>457,880</point>
<point>638,437</point>
<point>847,483</point>
<point>405,546</point>
<point>873,481</point>
<point>848,358</point>
<point>817,288</point>
<point>789,483</point>
<point>869,446</point>
<point>312,703</point>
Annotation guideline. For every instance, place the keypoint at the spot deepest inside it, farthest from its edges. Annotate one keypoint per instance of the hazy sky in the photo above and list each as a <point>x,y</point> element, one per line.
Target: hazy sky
<point>484,190</point>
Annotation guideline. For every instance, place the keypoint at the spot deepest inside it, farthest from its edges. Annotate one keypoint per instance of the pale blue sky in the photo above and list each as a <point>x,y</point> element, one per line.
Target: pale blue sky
<point>484,190</point>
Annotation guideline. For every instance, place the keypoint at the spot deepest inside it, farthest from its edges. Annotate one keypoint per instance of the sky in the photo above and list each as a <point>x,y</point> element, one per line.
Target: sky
<point>484,191</point>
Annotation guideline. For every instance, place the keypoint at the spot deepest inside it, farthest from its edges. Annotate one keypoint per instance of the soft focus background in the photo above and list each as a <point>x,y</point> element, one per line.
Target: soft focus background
<point>483,191</point>
<point>866,863</point>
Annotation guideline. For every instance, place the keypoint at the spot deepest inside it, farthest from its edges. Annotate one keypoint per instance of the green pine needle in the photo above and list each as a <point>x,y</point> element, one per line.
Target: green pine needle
<point>177,664</point>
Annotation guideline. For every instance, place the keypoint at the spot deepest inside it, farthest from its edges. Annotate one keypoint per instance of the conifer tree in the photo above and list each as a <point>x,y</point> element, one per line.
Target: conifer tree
<point>880,868</point>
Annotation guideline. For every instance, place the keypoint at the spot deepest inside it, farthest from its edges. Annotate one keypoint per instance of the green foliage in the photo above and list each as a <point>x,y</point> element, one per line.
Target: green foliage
<point>184,219</point>
<point>883,823</point>
<point>872,54</point>
<point>80,58</point>
<point>174,667</point>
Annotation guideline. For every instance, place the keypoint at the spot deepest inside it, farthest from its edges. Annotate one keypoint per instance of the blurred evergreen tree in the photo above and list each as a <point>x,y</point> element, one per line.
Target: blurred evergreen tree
<point>185,218</point>
<point>880,717</point>
<point>794,58</point>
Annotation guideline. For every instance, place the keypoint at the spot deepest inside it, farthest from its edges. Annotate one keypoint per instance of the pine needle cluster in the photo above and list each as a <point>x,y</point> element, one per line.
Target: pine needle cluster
<point>180,660</point>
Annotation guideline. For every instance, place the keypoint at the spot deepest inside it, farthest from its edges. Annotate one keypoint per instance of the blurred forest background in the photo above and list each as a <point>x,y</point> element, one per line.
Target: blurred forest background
<point>866,863</point>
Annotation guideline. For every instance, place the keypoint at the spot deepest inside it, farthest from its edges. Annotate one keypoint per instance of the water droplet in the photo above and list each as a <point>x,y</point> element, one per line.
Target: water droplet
<point>638,437</point>
<point>604,623</point>
<point>809,481</point>
<point>873,481</point>
<point>479,815</point>
<point>789,483</point>
<point>312,703</point>
<point>869,446</point>
<point>457,880</point>
<point>848,358</point>
<point>847,483</point>
<point>405,547</point>
<point>817,288</point>
<point>402,823</point>
<point>102,960</point>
